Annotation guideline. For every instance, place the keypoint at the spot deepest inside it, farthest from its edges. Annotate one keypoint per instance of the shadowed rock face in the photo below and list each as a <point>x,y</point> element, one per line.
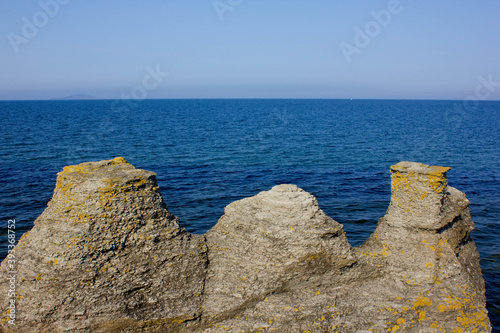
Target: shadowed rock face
<point>107,256</point>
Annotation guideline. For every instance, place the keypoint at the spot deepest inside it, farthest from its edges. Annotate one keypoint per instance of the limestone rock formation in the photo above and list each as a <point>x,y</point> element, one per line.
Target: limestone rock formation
<point>428,266</point>
<point>107,256</point>
<point>264,242</point>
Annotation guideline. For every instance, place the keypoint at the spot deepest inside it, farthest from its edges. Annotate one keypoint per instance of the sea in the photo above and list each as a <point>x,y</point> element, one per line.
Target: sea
<point>208,153</point>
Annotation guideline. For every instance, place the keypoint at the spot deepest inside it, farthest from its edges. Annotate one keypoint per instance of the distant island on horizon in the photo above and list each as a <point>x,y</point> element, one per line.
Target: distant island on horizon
<point>76,97</point>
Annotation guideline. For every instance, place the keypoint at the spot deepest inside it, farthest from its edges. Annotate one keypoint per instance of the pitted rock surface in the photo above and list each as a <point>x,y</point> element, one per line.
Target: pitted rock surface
<point>263,242</point>
<point>107,256</point>
<point>106,250</point>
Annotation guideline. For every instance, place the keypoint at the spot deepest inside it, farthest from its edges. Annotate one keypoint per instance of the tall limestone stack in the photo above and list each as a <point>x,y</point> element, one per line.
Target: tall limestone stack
<point>423,251</point>
<point>107,256</point>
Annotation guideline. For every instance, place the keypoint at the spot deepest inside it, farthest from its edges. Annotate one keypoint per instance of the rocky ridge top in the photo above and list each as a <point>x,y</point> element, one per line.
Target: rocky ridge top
<point>107,256</point>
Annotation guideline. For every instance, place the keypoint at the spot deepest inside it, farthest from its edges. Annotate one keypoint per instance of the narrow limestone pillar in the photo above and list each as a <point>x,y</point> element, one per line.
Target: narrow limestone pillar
<point>418,193</point>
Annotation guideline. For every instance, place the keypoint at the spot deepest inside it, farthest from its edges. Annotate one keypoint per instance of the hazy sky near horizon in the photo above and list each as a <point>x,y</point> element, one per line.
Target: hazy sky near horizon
<point>250,49</point>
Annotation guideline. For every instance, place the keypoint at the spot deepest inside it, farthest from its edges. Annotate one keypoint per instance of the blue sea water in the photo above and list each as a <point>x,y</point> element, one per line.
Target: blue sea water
<point>208,153</point>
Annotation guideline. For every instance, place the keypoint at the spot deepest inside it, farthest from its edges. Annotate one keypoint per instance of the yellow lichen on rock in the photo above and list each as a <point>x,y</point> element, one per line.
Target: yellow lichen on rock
<point>406,175</point>
<point>107,256</point>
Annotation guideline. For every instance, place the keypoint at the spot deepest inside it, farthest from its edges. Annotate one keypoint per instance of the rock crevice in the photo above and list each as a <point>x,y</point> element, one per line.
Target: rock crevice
<point>107,256</point>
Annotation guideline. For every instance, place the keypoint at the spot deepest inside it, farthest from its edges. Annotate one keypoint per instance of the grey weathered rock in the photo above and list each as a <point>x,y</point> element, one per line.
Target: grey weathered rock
<point>264,242</point>
<point>107,256</point>
<point>106,253</point>
<point>428,264</point>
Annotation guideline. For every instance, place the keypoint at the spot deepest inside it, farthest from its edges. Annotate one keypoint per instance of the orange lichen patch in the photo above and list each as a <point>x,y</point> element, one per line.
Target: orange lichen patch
<point>443,242</point>
<point>384,252</point>
<point>422,315</point>
<point>473,321</point>
<point>87,167</point>
<point>441,308</point>
<point>112,189</point>
<point>394,328</point>
<point>422,301</point>
<point>23,236</point>
<point>419,168</point>
<point>399,179</point>
<point>405,175</point>
<point>469,321</point>
<point>63,185</point>
<point>455,303</point>
<point>66,179</point>
<point>437,181</point>
<point>436,326</point>
<point>118,160</point>
<point>405,183</point>
<point>80,168</point>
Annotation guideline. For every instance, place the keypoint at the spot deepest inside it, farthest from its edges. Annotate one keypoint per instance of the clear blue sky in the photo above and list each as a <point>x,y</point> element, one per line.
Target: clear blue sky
<point>261,49</point>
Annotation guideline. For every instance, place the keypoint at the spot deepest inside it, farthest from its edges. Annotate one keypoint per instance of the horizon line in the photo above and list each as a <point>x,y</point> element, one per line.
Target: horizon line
<point>238,98</point>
